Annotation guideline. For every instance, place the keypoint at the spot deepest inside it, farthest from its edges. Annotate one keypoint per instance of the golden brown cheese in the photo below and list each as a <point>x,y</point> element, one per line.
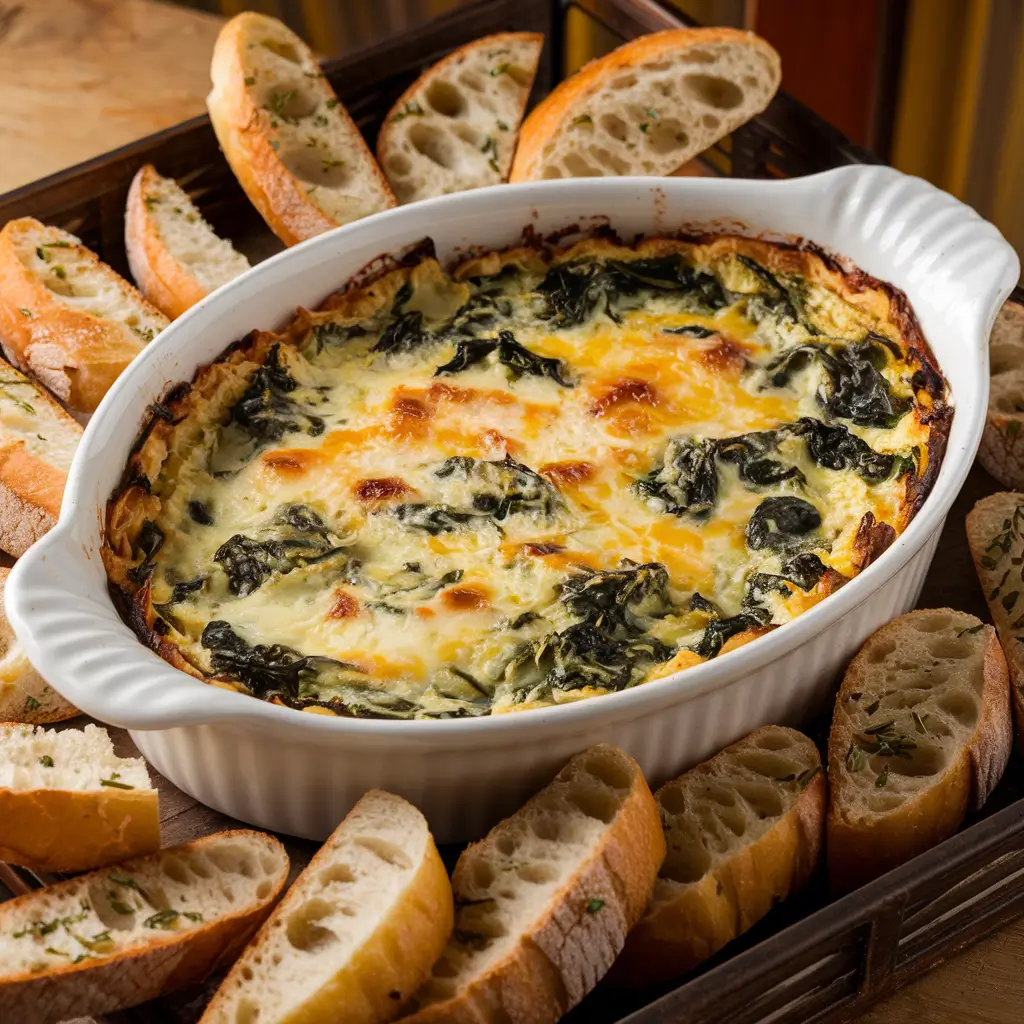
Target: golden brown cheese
<point>541,478</point>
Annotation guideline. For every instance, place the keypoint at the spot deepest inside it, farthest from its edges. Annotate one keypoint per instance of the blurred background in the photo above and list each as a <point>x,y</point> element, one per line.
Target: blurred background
<point>934,87</point>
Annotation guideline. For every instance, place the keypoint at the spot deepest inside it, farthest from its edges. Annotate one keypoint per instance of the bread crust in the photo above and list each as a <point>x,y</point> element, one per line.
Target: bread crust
<point>244,132</point>
<point>860,850</point>
<point>676,935</point>
<point>546,119</point>
<point>1001,451</point>
<point>385,965</point>
<point>25,697</point>
<point>566,952</point>
<point>169,961</point>
<point>985,522</point>
<point>75,354</point>
<point>165,281</point>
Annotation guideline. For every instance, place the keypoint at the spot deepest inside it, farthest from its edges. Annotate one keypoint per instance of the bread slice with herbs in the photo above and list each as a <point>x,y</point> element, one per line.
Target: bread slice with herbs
<point>921,735</point>
<point>744,830</point>
<point>357,932</point>
<point>292,145</point>
<point>456,126</point>
<point>649,106</point>
<point>69,803</point>
<point>995,534</point>
<point>65,316</point>
<point>1002,444</point>
<point>118,937</point>
<point>38,440</point>
<point>25,697</point>
<point>175,257</point>
<point>544,902</point>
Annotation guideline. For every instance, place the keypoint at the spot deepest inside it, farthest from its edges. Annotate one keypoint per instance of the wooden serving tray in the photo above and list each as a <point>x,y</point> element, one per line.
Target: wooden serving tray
<point>812,959</point>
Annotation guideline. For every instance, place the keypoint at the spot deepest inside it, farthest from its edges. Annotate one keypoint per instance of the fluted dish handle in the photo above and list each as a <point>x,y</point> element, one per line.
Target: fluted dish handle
<point>946,252</point>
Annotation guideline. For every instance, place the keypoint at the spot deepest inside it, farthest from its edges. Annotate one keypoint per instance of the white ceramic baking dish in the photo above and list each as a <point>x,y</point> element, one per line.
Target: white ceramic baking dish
<point>299,773</point>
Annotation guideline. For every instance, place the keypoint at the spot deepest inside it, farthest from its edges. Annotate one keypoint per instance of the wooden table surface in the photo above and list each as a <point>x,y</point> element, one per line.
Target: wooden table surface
<point>79,77</point>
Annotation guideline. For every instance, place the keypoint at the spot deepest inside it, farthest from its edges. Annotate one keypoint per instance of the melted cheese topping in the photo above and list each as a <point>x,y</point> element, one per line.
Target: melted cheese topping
<point>527,486</point>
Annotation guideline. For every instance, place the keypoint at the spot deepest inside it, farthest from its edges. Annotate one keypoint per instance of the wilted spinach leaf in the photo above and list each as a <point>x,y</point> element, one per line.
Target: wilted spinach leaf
<point>803,571</point>
<point>574,292</point>
<point>517,358</point>
<point>686,481</point>
<point>718,631</point>
<point>620,598</point>
<point>265,670</point>
<point>297,537</point>
<point>782,524</point>
<point>837,448</point>
<point>750,453</point>
<point>499,489</point>
<point>150,541</point>
<point>854,388</point>
<point>266,411</point>
<point>692,331</point>
<point>609,646</point>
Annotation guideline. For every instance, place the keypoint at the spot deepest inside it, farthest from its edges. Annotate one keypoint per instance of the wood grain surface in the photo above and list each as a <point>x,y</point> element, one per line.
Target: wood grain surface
<point>80,77</point>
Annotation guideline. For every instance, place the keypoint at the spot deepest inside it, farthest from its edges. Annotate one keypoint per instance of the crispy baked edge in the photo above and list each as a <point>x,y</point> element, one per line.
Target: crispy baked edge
<point>368,290</point>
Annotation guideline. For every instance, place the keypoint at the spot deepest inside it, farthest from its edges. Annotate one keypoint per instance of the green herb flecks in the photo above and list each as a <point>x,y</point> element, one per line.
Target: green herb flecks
<point>500,69</point>
<point>412,109</point>
<point>594,905</point>
<point>491,147</point>
<point>46,761</point>
<point>162,919</point>
<point>971,630</point>
<point>581,119</point>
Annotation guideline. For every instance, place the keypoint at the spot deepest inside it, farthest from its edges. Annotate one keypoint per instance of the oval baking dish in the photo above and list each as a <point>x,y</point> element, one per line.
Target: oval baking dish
<point>955,269</point>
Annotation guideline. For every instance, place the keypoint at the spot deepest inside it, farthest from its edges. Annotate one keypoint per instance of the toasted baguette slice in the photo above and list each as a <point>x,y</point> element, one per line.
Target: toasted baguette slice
<point>649,106</point>
<point>1002,446</point>
<point>118,937</point>
<point>174,255</point>
<point>69,803</point>
<point>37,442</point>
<point>455,127</point>
<point>24,695</point>
<point>290,142</point>
<point>995,534</point>
<point>65,316</point>
<point>921,734</point>
<point>545,900</point>
<point>357,932</point>
<point>744,830</point>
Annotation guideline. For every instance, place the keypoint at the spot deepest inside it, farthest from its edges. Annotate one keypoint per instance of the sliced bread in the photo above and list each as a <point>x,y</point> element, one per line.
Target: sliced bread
<point>24,695</point>
<point>65,316</point>
<point>545,900</point>
<point>119,937</point>
<point>69,803</point>
<point>649,106</point>
<point>175,257</point>
<point>292,145</point>
<point>37,443</point>
<point>921,734</point>
<point>456,126</point>
<point>995,534</point>
<point>1002,446</point>
<point>744,830</point>
<point>357,932</point>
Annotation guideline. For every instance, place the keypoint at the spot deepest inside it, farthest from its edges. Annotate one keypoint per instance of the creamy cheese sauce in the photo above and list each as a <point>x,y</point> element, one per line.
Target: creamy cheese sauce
<point>527,486</point>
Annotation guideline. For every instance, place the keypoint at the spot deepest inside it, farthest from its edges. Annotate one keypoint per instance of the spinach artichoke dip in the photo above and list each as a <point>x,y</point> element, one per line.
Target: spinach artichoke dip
<point>548,475</point>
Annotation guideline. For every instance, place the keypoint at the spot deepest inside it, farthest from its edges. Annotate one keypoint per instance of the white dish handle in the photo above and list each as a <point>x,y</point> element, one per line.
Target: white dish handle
<point>943,246</point>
